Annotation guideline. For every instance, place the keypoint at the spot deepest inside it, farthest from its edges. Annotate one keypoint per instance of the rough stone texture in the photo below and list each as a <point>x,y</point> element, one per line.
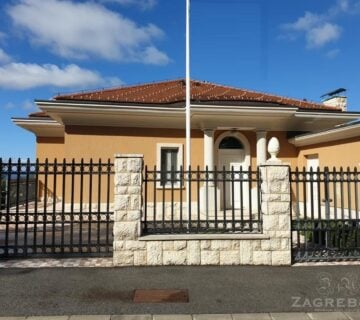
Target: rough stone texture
<point>140,258</point>
<point>175,257</point>
<point>193,251</point>
<point>246,252</point>
<point>130,251</point>
<point>276,216</point>
<point>210,257</point>
<point>280,258</point>
<point>262,258</point>
<point>229,257</point>
<point>126,230</point>
<point>123,258</point>
<point>154,253</point>
<point>179,245</point>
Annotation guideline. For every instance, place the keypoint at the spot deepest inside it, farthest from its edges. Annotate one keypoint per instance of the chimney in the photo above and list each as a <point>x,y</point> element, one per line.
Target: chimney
<point>336,99</point>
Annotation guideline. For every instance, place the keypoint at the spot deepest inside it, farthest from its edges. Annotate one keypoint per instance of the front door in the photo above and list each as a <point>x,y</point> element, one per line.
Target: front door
<point>228,159</point>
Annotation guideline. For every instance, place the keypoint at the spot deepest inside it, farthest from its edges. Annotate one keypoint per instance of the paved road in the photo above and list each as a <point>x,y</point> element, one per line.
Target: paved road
<point>64,291</point>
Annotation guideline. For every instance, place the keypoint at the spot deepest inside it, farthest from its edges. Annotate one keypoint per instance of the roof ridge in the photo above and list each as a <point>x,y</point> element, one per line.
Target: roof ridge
<point>263,92</point>
<point>116,88</point>
<point>171,91</point>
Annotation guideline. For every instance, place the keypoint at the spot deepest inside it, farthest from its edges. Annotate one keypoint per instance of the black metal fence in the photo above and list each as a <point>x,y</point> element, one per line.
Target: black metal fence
<point>221,201</point>
<point>55,209</point>
<point>12,195</point>
<point>325,214</point>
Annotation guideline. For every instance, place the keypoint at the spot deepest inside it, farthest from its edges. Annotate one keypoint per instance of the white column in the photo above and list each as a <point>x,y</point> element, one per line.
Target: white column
<point>260,147</point>
<point>209,149</point>
<point>208,191</point>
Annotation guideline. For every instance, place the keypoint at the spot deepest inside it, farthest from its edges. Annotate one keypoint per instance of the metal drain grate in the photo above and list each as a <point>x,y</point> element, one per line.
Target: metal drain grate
<point>161,295</point>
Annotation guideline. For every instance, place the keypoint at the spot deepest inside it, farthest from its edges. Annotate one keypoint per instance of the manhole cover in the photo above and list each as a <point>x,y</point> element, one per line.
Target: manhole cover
<point>161,295</point>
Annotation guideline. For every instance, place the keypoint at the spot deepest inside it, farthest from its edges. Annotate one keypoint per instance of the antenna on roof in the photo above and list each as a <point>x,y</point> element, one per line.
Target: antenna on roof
<point>332,94</point>
<point>335,98</point>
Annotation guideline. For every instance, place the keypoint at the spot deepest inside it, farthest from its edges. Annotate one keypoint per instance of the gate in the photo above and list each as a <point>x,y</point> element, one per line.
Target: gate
<point>166,211</point>
<point>56,209</point>
<point>325,215</point>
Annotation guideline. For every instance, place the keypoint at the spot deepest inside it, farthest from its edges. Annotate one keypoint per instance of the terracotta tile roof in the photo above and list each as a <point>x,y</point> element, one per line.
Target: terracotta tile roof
<point>38,114</point>
<point>170,92</point>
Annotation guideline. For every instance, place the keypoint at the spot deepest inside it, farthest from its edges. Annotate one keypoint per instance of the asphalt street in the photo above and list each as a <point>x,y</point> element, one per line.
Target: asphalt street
<point>63,291</point>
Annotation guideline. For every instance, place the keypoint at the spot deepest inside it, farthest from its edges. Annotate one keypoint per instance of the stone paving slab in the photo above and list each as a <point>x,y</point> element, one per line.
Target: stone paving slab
<point>97,317</point>
<point>107,262</point>
<point>245,316</point>
<point>328,316</point>
<point>132,317</point>
<point>58,263</point>
<point>172,317</point>
<point>290,315</point>
<point>251,316</point>
<point>212,317</point>
<point>48,318</point>
<point>353,315</point>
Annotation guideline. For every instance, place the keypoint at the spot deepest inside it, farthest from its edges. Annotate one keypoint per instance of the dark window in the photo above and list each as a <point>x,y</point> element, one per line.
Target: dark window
<point>169,164</point>
<point>230,143</point>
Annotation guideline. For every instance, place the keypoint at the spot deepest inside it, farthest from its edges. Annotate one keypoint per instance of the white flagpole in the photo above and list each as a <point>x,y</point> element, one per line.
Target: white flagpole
<point>187,104</point>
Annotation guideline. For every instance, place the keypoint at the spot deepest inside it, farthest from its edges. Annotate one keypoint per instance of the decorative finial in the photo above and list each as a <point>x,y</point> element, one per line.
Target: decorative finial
<point>273,149</point>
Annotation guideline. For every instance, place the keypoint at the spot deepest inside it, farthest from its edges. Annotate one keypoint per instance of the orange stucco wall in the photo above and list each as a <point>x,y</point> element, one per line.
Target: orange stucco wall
<point>104,142</point>
<point>341,153</point>
<point>50,148</point>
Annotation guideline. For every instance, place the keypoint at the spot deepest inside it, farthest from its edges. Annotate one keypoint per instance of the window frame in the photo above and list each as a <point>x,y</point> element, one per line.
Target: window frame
<point>159,147</point>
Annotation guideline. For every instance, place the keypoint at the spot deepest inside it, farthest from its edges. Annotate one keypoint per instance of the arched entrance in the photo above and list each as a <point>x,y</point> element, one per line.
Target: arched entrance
<point>233,151</point>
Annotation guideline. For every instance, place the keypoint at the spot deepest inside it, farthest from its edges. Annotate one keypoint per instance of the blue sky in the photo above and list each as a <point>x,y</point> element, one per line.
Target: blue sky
<point>298,48</point>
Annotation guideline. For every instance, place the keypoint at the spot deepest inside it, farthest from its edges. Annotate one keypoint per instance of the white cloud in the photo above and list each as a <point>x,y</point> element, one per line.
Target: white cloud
<point>26,76</point>
<point>319,36</point>
<point>86,29</point>
<point>308,21</point>
<point>153,56</point>
<point>319,29</point>
<point>331,54</point>
<point>3,36</point>
<point>28,106</point>
<point>143,4</point>
<point>9,106</point>
<point>4,57</point>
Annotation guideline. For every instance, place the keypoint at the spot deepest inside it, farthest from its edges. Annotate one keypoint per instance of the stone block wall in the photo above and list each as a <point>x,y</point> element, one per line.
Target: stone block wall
<point>272,247</point>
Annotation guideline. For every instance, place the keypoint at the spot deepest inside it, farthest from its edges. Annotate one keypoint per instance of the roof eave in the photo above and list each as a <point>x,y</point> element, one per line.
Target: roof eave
<point>336,134</point>
<point>41,126</point>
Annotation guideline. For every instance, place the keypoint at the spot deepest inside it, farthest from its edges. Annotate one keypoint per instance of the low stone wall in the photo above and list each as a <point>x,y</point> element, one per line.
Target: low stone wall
<point>272,247</point>
<point>202,252</point>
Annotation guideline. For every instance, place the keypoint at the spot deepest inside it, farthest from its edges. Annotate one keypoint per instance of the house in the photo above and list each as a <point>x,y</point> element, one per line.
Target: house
<point>225,209</point>
<point>230,126</point>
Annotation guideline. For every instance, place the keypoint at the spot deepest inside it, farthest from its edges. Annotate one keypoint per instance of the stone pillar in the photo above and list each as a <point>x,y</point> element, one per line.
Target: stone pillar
<point>127,207</point>
<point>275,206</point>
<point>260,147</point>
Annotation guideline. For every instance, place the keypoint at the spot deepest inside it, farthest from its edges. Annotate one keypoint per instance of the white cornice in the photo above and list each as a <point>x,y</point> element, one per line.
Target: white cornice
<point>344,132</point>
<point>41,127</point>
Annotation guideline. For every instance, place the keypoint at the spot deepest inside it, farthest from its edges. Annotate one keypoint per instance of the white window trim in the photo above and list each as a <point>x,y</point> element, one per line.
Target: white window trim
<point>160,146</point>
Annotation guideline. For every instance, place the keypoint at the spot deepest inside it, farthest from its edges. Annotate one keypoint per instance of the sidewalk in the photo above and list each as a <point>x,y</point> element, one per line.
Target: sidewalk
<point>211,290</point>
<point>248,316</point>
<point>106,262</point>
